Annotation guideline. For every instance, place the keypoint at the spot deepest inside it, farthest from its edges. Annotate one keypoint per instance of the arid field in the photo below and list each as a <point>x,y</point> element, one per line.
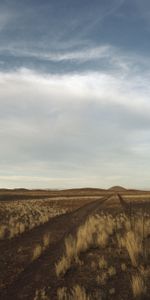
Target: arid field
<point>77,244</point>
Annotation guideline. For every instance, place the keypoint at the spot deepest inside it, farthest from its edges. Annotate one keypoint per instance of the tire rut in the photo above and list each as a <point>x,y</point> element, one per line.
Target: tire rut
<point>41,273</point>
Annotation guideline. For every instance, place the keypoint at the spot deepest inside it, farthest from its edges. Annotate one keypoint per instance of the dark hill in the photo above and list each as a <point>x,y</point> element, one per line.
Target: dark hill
<point>117,188</point>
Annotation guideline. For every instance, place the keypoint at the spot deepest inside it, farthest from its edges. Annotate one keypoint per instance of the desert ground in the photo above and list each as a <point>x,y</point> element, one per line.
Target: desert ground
<point>77,244</point>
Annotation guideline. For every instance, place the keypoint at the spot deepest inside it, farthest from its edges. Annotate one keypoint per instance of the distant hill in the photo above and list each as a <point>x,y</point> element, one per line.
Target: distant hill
<point>86,189</point>
<point>117,188</point>
<point>22,193</point>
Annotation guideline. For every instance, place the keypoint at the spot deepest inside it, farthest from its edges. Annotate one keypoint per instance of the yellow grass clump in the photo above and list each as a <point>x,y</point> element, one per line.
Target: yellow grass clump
<point>39,249</point>
<point>41,295</point>
<point>62,266</point>
<point>112,271</point>
<point>46,240</point>
<point>123,267</point>
<point>102,278</point>
<point>138,286</point>
<point>102,263</point>
<point>37,252</point>
<point>133,246</point>
<point>77,293</point>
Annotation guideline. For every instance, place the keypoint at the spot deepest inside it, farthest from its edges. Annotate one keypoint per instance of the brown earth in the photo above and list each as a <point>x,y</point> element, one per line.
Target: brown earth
<point>21,276</point>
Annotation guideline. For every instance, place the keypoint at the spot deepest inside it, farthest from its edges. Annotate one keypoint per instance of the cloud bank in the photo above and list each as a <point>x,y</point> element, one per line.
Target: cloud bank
<point>74,129</point>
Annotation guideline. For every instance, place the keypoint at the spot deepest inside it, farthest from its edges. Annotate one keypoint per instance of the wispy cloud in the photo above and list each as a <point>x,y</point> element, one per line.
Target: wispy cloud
<point>82,55</point>
<point>96,58</point>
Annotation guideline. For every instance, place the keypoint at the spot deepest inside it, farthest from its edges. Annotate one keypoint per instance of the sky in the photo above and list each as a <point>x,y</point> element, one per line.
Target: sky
<point>74,93</point>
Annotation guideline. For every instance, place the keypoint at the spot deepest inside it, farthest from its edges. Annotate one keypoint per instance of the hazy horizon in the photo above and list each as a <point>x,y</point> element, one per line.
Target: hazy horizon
<point>77,188</point>
<point>74,94</point>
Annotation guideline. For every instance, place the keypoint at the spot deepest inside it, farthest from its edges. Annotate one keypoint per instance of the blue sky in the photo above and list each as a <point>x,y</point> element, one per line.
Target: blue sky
<point>74,93</point>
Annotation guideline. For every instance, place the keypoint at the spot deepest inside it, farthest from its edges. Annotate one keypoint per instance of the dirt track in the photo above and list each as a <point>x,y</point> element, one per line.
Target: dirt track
<point>31,275</point>
<point>41,273</point>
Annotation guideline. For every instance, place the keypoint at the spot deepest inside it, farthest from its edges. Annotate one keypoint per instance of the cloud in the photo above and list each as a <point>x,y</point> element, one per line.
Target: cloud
<point>127,90</point>
<point>82,56</point>
<point>73,106</point>
<point>83,125</point>
<point>104,58</point>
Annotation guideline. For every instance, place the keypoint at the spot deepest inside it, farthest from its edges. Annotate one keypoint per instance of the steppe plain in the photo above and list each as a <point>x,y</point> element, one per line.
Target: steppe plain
<point>76,244</point>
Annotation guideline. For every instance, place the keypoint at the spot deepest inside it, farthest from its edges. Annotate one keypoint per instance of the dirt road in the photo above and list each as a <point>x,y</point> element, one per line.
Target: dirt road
<point>41,272</point>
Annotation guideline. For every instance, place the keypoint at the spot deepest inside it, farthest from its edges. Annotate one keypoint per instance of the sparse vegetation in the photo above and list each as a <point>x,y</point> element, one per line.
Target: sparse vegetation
<point>99,232</point>
<point>105,255</point>
<point>20,216</point>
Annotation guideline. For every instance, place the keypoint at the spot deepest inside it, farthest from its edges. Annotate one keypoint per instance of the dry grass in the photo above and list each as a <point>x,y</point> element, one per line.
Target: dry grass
<point>46,240</point>
<point>133,244</point>
<point>138,286</point>
<point>112,291</point>
<point>62,266</point>
<point>20,216</point>
<point>102,263</point>
<point>39,249</point>
<point>102,239</point>
<point>62,293</point>
<point>102,278</point>
<point>41,295</point>
<point>123,267</point>
<point>77,293</point>
<point>3,230</point>
<point>93,233</point>
<point>99,232</point>
<point>136,231</point>
<point>111,271</point>
<point>70,246</point>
